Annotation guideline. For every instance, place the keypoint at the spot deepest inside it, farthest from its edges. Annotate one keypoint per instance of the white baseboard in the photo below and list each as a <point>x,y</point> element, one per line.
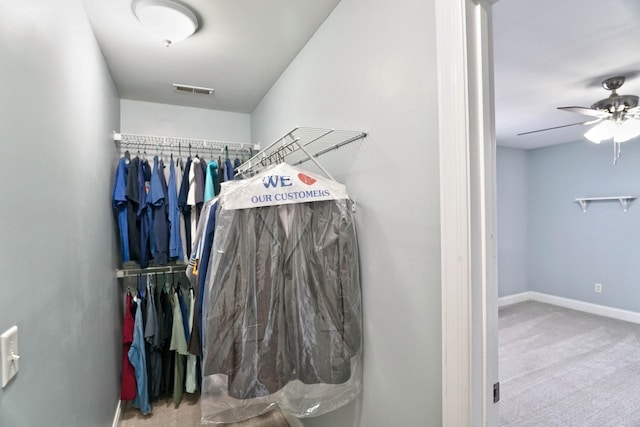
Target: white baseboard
<point>514,299</point>
<point>116,418</point>
<point>587,307</point>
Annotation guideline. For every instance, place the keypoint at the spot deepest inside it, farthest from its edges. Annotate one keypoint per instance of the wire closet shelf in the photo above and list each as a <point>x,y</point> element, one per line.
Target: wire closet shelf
<point>126,271</point>
<point>298,146</point>
<point>183,146</point>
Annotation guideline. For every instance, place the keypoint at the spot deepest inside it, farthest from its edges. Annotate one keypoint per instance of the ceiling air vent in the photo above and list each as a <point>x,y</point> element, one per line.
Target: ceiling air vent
<point>193,89</point>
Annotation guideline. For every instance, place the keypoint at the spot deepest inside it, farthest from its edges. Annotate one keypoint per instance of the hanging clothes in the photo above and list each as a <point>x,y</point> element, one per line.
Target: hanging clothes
<point>175,241</point>
<point>144,178</point>
<point>221,174</point>
<point>211,177</point>
<point>119,201</point>
<point>157,200</point>
<point>143,189</point>
<point>228,170</point>
<point>192,201</point>
<point>179,346</point>
<point>153,340</point>
<point>184,315</point>
<point>137,357</point>
<point>168,356</point>
<point>183,205</point>
<point>299,263</point>
<point>191,374</point>
<point>204,238</point>
<point>283,301</point>
<point>183,232</point>
<point>133,201</point>
<point>128,381</point>
<point>236,164</point>
<point>200,172</point>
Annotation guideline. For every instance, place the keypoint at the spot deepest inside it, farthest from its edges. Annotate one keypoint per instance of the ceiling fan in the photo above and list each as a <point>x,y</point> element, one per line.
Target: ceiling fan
<point>616,116</point>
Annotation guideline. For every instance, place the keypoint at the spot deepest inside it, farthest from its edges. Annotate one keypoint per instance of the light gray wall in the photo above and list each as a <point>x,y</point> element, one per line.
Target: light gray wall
<point>570,250</point>
<point>58,107</point>
<point>148,118</point>
<point>372,67</point>
<point>513,220</point>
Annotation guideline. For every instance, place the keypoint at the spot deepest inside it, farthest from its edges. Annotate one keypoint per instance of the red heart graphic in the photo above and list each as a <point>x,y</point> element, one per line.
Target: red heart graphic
<point>306,179</point>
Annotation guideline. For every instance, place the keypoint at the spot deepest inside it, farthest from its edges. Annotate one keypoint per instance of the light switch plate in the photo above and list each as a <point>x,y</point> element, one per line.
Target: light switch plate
<point>9,354</point>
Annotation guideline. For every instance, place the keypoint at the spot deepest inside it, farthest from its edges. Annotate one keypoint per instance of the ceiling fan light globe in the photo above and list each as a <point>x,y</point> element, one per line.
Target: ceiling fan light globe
<point>595,141</point>
<point>601,132</point>
<point>627,130</point>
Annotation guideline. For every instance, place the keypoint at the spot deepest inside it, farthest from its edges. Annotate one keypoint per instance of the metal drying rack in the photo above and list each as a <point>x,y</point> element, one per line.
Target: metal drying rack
<point>298,146</point>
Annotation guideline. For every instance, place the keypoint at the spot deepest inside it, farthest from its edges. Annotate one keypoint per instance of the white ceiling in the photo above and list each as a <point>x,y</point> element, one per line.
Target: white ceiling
<point>547,54</point>
<point>240,50</point>
<point>555,53</point>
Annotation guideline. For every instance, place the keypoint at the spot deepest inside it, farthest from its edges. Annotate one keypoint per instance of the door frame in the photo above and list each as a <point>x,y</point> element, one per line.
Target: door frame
<point>468,212</point>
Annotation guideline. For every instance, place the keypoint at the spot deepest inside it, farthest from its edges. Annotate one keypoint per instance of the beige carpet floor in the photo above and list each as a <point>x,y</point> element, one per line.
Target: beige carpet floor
<point>187,414</point>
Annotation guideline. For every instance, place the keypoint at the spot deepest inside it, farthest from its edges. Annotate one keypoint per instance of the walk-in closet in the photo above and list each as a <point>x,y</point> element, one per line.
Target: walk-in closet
<point>265,313</point>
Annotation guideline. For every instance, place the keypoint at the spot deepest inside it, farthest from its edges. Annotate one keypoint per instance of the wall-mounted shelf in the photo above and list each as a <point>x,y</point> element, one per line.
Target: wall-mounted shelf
<point>625,201</point>
<point>183,146</point>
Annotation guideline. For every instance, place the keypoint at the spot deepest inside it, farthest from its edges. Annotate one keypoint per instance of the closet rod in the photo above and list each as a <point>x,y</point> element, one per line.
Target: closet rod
<point>130,272</point>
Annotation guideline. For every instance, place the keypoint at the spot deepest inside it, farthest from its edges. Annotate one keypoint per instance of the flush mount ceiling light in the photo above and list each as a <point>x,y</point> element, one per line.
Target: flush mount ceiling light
<point>171,21</point>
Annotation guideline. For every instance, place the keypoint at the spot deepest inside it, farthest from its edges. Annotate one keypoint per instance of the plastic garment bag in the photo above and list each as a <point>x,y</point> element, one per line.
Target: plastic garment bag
<point>282,307</point>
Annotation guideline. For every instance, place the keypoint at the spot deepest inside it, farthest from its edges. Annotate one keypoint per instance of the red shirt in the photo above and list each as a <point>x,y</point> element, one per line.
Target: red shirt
<point>128,385</point>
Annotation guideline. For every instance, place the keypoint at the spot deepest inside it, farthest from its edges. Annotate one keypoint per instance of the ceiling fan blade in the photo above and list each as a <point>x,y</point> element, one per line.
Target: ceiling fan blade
<point>588,122</point>
<point>586,111</point>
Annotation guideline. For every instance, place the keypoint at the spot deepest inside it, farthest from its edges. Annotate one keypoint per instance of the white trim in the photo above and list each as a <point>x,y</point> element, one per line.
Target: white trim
<point>515,298</point>
<point>586,307</point>
<point>454,212</point>
<point>116,417</point>
<point>482,188</point>
<point>467,212</point>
